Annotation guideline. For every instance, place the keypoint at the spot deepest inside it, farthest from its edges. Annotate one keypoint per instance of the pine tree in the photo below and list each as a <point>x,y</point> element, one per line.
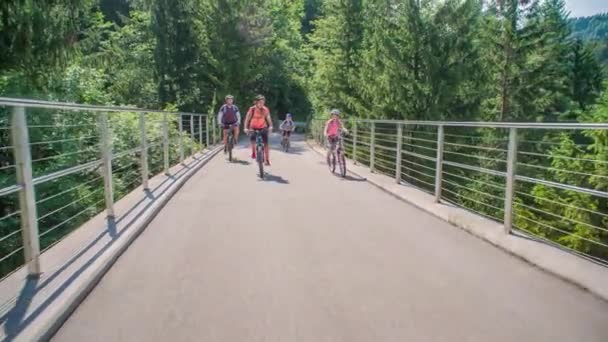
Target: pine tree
<point>585,75</point>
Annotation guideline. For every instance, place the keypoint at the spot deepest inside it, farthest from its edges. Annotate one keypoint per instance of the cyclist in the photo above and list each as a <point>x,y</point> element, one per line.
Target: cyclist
<point>258,118</point>
<point>229,118</point>
<point>287,126</point>
<point>333,127</point>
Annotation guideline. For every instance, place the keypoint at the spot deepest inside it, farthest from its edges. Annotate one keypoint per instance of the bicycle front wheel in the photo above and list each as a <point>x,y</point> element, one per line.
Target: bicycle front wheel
<point>331,161</point>
<point>230,147</point>
<point>342,162</point>
<point>260,160</point>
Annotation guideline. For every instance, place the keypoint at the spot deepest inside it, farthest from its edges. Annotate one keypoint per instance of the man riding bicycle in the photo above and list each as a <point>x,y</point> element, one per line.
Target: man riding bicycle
<point>229,118</point>
<point>258,119</point>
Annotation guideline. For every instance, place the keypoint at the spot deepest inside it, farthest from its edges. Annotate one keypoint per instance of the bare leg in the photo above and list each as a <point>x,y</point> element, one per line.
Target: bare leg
<point>267,153</point>
<point>225,137</point>
<point>236,135</point>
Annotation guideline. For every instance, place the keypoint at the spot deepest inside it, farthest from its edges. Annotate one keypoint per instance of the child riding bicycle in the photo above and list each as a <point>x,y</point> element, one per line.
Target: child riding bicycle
<point>333,128</point>
<point>287,126</point>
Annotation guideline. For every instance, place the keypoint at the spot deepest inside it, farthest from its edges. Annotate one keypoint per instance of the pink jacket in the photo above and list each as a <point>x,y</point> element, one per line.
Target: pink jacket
<point>333,127</point>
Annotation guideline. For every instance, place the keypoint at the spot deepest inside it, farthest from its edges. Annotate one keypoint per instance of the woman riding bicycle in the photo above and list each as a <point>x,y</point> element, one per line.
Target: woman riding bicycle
<point>258,119</point>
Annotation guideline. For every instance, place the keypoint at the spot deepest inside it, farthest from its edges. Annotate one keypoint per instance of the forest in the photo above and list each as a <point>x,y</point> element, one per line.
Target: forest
<point>593,30</point>
<point>454,60</point>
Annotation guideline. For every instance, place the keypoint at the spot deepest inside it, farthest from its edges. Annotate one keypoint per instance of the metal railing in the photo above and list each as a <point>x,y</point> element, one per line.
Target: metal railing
<point>545,180</point>
<point>61,164</point>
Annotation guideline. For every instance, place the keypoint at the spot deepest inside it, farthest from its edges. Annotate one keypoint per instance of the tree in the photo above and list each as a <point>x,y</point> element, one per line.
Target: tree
<point>334,49</point>
<point>585,75</point>
<point>186,65</point>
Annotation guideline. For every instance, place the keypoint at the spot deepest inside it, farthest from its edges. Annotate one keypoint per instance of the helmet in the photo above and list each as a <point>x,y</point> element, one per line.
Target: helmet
<point>229,97</point>
<point>288,115</point>
<point>335,112</point>
<point>260,97</point>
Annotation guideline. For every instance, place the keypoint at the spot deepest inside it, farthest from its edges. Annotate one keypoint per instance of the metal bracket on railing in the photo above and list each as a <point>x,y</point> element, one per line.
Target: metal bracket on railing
<point>27,197</point>
<point>439,163</point>
<point>398,161</point>
<point>144,151</point>
<point>106,158</point>
<point>372,147</point>
<point>511,172</point>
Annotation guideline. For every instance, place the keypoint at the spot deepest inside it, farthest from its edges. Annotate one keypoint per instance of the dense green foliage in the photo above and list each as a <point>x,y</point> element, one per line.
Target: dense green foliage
<point>504,60</point>
<point>508,60</point>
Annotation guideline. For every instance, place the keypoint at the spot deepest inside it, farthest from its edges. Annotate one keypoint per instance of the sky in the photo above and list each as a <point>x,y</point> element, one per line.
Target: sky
<point>582,8</point>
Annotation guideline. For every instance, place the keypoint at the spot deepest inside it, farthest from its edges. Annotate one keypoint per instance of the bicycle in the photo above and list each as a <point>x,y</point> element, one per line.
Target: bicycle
<point>259,150</point>
<point>230,146</point>
<point>336,153</point>
<point>285,143</point>
<point>230,143</point>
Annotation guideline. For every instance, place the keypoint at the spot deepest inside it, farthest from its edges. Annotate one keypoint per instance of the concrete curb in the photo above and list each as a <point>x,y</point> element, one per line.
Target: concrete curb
<point>49,322</point>
<point>571,268</point>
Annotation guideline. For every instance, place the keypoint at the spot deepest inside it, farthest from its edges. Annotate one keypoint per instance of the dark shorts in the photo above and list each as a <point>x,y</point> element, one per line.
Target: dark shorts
<point>229,126</point>
<point>264,135</point>
<point>287,133</point>
<point>332,139</point>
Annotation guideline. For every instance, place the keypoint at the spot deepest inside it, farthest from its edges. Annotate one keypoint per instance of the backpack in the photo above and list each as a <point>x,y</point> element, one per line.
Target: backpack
<point>225,108</point>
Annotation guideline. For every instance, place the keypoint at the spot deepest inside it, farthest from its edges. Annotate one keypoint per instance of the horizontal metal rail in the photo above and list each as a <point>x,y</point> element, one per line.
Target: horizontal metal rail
<point>26,103</point>
<point>523,125</point>
<point>92,138</point>
<point>484,165</point>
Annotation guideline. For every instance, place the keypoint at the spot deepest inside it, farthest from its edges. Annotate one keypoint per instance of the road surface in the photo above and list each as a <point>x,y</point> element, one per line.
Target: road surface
<point>305,256</point>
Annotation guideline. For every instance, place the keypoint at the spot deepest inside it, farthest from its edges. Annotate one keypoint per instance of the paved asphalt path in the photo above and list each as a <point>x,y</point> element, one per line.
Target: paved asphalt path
<point>306,256</point>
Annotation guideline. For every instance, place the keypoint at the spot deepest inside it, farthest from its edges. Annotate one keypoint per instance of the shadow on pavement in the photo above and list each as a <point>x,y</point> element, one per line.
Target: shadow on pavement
<point>240,162</point>
<point>274,178</point>
<point>353,179</point>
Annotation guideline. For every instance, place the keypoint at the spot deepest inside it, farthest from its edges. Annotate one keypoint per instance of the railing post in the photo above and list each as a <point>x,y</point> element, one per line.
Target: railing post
<point>398,161</point>
<point>193,144</point>
<point>510,186</point>
<point>144,151</point>
<point>27,197</point>
<point>355,142</point>
<point>213,124</point>
<point>106,158</point>
<point>200,131</point>
<point>166,143</point>
<point>439,163</point>
<point>181,138</point>
<point>207,131</point>
<point>372,148</point>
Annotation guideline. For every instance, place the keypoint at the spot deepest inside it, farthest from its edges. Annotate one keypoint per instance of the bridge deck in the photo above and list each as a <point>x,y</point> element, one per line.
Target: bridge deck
<point>304,256</point>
